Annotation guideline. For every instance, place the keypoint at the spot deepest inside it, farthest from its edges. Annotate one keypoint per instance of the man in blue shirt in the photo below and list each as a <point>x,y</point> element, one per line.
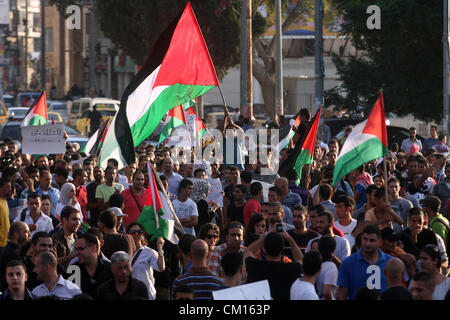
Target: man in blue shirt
<point>45,188</point>
<point>364,268</point>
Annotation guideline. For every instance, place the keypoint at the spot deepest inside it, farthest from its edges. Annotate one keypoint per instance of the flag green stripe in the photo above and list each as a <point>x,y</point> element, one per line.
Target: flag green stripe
<point>365,152</point>
<point>148,222</point>
<point>171,97</point>
<point>34,121</point>
<point>167,129</point>
<point>303,158</point>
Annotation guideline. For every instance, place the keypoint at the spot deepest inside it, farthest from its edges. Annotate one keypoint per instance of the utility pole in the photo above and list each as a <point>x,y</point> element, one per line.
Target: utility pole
<point>445,39</point>
<point>249,74</point>
<point>318,54</point>
<point>279,63</point>
<point>243,59</point>
<point>42,44</point>
<point>92,49</point>
<point>25,60</point>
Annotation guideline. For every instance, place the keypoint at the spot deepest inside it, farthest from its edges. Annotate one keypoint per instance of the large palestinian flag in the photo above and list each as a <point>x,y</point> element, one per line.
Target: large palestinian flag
<point>37,115</point>
<point>178,70</point>
<point>307,153</point>
<point>367,141</point>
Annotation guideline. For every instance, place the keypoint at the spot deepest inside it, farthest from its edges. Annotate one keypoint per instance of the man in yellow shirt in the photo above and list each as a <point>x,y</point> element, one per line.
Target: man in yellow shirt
<point>5,190</point>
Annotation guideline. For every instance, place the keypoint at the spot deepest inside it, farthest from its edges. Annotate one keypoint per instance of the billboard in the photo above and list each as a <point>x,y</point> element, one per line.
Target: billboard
<point>304,26</point>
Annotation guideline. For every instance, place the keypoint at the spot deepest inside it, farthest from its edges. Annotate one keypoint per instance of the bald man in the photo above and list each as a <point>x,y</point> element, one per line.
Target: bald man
<point>394,272</point>
<point>288,198</point>
<point>199,277</point>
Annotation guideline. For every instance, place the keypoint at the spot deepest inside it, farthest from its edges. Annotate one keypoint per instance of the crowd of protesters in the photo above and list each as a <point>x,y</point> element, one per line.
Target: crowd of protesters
<point>69,230</point>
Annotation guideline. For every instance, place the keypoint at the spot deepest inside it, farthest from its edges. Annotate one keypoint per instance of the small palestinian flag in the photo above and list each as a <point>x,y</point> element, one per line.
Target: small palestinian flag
<point>367,142</point>
<point>307,153</point>
<point>37,115</point>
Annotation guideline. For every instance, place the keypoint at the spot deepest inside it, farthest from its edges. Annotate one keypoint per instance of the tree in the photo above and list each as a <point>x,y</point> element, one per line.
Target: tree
<point>134,26</point>
<point>403,58</point>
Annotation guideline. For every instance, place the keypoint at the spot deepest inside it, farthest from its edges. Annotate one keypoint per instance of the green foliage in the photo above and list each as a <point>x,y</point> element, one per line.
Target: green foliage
<point>403,58</point>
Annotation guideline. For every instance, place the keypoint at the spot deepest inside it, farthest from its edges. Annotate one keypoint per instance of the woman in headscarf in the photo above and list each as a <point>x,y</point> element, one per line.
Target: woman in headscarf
<point>68,198</point>
<point>199,196</point>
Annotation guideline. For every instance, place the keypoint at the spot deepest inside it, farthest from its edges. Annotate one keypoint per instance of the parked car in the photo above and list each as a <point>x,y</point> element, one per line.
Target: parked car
<point>83,125</point>
<point>8,100</point>
<point>17,113</point>
<point>30,95</point>
<point>395,135</point>
<point>12,130</point>
<point>60,107</point>
<point>80,106</point>
<point>54,116</point>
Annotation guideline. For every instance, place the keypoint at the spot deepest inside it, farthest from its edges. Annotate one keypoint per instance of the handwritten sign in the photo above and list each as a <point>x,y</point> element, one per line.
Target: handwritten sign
<point>252,291</point>
<point>46,139</point>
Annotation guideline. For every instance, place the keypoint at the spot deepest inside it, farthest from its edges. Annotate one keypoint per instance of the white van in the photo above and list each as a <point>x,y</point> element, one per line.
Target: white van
<point>79,106</point>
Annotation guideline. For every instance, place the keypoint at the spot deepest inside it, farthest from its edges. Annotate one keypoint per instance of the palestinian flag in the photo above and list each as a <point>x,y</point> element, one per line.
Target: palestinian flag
<point>307,153</point>
<point>178,70</point>
<point>367,141</point>
<point>175,118</point>
<point>154,219</point>
<point>95,142</point>
<point>37,115</point>
<point>195,124</point>
<point>289,163</point>
<point>284,143</point>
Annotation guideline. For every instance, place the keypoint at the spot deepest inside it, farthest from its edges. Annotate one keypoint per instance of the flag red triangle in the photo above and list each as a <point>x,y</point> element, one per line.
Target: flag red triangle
<point>376,123</point>
<point>187,61</point>
<point>310,140</point>
<point>40,108</point>
<point>178,112</point>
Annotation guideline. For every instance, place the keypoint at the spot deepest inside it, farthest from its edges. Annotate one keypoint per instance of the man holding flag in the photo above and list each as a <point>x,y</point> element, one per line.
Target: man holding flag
<point>174,73</point>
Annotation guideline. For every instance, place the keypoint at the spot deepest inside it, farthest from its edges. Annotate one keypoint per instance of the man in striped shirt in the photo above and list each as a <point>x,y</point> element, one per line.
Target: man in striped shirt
<point>199,277</point>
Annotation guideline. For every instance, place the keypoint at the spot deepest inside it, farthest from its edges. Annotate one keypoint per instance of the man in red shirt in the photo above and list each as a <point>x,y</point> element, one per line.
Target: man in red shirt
<point>253,205</point>
<point>80,177</point>
<point>134,198</point>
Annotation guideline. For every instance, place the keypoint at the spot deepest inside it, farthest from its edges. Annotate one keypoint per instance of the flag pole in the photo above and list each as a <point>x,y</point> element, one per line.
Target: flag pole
<point>384,157</point>
<point>158,181</point>
<point>150,174</point>
<point>224,102</point>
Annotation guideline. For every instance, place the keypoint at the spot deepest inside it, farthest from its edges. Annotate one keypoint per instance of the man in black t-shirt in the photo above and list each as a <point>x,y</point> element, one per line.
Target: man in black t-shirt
<point>301,234</point>
<point>279,271</point>
<point>92,204</point>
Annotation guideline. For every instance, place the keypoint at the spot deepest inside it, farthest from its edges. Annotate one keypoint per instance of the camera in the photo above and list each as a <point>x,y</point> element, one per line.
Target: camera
<point>279,227</point>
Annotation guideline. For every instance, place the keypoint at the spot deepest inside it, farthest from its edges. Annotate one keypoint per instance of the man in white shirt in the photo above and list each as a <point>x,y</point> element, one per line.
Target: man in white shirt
<point>173,177</point>
<point>325,227</point>
<point>185,208</point>
<point>54,284</point>
<point>344,208</point>
<point>303,289</point>
<point>34,217</point>
<point>407,143</point>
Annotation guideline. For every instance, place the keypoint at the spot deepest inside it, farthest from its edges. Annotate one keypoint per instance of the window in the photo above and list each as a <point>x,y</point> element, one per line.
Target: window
<point>48,40</point>
<point>75,108</point>
<point>85,106</point>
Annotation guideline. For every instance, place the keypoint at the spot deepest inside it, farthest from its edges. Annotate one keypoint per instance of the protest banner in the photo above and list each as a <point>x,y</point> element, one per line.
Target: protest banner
<point>46,139</point>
